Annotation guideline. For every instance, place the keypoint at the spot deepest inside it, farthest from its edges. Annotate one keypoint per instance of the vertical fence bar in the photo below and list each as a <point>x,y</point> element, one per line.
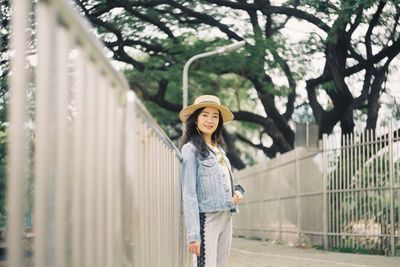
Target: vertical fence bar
<point>280,192</point>
<point>346,186</point>
<point>397,181</point>
<point>17,140</point>
<point>78,125</point>
<point>363,184</point>
<point>149,215</point>
<point>358,182</point>
<point>350,185</point>
<point>376,179</point>
<point>382,184</point>
<point>368,182</point>
<point>113,184</point>
<point>101,163</point>
<point>341,186</point>
<point>62,156</point>
<point>141,202</point>
<point>336,188</point>
<point>298,203</point>
<point>109,181</point>
<point>325,206</point>
<point>131,169</point>
<point>44,143</point>
<point>89,168</point>
<point>331,164</point>
<point>151,196</point>
<point>119,253</point>
<point>392,224</point>
<point>387,200</point>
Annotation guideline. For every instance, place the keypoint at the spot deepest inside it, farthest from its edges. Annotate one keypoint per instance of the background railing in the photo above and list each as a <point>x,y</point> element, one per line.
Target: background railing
<point>363,191</point>
<point>99,176</point>
<point>284,198</point>
<point>345,196</point>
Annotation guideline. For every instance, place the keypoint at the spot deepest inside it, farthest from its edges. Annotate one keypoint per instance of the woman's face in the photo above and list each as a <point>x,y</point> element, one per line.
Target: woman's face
<point>207,121</point>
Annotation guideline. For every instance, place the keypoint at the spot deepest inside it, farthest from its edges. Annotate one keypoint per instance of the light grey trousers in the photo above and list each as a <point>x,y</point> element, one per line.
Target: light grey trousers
<point>217,236</point>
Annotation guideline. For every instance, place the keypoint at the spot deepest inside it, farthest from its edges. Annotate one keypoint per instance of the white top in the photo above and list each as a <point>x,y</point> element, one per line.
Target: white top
<point>222,162</point>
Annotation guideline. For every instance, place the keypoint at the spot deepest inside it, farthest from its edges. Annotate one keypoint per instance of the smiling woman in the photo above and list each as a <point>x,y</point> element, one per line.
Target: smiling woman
<point>207,122</point>
<point>209,194</point>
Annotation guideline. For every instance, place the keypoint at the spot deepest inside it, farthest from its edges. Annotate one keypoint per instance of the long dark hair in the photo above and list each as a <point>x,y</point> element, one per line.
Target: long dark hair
<point>191,134</point>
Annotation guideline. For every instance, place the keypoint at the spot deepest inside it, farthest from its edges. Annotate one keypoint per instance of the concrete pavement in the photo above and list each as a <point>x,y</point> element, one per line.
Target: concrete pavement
<point>252,253</point>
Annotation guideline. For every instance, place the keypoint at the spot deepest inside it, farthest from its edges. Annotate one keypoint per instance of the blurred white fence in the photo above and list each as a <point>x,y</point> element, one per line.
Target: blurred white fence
<point>346,195</point>
<point>103,177</point>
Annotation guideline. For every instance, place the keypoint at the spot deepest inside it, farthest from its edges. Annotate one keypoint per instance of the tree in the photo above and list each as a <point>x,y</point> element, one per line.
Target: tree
<point>357,39</point>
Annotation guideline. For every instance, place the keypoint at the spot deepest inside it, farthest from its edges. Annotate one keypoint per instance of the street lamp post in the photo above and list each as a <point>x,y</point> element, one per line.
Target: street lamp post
<point>220,50</point>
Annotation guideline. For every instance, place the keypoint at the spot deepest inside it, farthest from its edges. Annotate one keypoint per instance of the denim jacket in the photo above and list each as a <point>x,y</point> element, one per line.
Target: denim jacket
<point>204,188</point>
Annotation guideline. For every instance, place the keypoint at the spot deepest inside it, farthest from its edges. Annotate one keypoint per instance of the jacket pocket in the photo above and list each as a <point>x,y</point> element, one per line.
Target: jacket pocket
<point>207,163</point>
<point>206,175</point>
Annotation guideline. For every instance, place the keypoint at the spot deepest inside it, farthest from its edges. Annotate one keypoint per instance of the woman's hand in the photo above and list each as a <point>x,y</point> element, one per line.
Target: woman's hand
<point>194,248</point>
<point>237,197</point>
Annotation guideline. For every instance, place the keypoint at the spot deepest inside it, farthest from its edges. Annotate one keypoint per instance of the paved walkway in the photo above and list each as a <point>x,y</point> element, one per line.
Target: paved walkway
<point>251,253</point>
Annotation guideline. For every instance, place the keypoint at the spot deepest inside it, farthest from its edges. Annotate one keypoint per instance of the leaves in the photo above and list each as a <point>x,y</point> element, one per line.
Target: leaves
<point>159,37</point>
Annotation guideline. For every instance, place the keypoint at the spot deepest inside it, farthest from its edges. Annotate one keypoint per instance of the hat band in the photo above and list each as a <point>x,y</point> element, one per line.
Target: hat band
<point>213,102</point>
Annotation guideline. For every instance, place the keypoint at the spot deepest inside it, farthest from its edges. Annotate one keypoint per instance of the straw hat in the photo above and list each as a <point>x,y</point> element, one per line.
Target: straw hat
<point>206,101</point>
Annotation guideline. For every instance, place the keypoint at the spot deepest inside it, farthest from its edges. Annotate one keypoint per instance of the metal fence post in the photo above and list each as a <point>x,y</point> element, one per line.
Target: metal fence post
<point>278,159</point>
<point>298,203</point>
<point>391,163</point>
<point>325,206</point>
<point>17,140</point>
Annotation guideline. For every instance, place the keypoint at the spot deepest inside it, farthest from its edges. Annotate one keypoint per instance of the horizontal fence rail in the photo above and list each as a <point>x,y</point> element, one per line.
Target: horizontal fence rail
<point>99,176</point>
<point>344,196</point>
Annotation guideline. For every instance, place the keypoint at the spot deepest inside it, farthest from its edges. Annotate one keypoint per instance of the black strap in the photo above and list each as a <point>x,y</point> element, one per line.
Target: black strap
<point>201,260</point>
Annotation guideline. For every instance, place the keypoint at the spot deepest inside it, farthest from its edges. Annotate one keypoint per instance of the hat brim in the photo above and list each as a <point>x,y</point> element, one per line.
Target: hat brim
<point>226,114</point>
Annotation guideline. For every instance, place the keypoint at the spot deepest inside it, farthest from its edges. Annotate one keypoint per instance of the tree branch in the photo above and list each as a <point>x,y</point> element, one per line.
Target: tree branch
<point>268,151</point>
<point>233,5</point>
<point>294,12</point>
<point>232,152</point>
<point>155,22</point>
<point>269,126</point>
<point>206,19</point>
<point>385,52</point>
<point>372,24</point>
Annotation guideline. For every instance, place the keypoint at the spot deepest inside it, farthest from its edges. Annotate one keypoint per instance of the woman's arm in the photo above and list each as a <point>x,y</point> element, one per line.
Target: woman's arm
<point>189,194</point>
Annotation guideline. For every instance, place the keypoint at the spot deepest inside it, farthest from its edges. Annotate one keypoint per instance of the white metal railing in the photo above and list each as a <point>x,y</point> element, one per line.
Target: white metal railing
<point>363,191</point>
<point>105,182</point>
<point>347,195</point>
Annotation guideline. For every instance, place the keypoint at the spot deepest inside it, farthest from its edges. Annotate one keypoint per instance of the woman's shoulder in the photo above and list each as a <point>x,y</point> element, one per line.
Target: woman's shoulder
<point>189,146</point>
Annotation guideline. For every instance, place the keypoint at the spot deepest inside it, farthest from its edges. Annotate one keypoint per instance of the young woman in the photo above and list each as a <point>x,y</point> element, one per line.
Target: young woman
<point>209,195</point>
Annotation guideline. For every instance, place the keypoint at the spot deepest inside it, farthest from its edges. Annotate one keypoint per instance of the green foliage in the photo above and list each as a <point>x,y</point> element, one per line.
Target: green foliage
<point>161,37</point>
